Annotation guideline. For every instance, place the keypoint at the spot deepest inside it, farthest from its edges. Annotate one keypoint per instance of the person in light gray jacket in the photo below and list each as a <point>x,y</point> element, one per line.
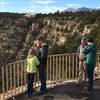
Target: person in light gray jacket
<point>82,71</point>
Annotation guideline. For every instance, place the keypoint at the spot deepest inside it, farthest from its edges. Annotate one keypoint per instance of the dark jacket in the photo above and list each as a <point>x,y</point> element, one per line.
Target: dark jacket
<point>90,54</point>
<point>42,56</point>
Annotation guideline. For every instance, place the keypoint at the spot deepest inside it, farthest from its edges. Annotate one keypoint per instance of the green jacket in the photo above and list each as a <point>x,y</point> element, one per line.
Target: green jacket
<point>90,54</point>
<point>32,63</point>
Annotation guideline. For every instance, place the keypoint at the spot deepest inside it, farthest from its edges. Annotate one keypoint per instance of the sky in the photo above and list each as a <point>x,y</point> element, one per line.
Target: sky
<point>44,6</point>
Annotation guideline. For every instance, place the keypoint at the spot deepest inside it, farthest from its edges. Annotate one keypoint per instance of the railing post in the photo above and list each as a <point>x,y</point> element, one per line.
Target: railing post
<point>63,67</point>
<point>14,68</point>
<point>18,77</point>
<point>50,70</point>
<point>47,70</point>
<point>3,85</point>
<point>25,75</point>
<point>77,64</point>
<point>11,87</point>
<point>7,78</point>
<point>53,65</point>
<point>73,66</point>
<point>21,76</point>
<point>56,68</point>
<point>66,60</point>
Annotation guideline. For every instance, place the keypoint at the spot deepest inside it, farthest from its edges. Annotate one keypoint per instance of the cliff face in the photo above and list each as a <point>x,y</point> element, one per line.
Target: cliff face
<point>17,31</point>
<point>11,36</point>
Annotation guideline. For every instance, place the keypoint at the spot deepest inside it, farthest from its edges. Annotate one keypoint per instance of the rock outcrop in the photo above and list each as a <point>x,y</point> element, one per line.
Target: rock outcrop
<point>61,30</point>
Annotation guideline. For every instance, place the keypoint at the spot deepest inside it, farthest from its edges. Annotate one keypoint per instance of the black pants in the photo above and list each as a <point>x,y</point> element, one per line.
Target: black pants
<point>42,77</point>
<point>30,80</point>
<point>90,70</point>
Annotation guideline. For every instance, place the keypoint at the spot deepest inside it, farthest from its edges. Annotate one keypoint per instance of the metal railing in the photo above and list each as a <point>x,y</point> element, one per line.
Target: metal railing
<point>60,67</point>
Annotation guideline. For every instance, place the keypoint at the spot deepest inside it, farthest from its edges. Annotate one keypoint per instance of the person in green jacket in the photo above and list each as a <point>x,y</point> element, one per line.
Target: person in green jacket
<point>90,61</point>
<point>32,63</point>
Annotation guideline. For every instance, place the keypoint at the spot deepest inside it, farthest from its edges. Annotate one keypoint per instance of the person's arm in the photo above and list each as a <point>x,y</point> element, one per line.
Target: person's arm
<point>88,49</point>
<point>44,52</point>
<point>25,69</point>
<point>36,61</point>
<point>78,50</point>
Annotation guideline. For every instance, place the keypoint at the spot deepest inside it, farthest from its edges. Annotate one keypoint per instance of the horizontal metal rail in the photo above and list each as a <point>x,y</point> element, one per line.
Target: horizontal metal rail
<point>60,67</point>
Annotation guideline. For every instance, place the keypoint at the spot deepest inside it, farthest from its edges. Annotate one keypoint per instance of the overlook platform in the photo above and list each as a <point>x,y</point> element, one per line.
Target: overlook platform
<point>64,91</point>
<point>61,72</point>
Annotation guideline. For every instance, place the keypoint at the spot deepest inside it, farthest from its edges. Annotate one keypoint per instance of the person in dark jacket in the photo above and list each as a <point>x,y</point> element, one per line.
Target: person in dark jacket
<point>42,56</point>
<point>90,61</point>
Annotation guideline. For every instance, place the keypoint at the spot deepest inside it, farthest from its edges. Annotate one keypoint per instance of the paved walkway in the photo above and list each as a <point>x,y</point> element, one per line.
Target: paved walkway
<point>66,91</point>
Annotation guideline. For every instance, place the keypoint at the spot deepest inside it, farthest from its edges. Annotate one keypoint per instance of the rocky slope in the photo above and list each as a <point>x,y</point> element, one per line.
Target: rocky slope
<point>61,30</point>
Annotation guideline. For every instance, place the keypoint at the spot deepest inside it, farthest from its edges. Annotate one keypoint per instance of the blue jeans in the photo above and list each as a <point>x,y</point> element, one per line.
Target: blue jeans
<point>90,70</point>
<point>30,80</point>
<point>42,77</point>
